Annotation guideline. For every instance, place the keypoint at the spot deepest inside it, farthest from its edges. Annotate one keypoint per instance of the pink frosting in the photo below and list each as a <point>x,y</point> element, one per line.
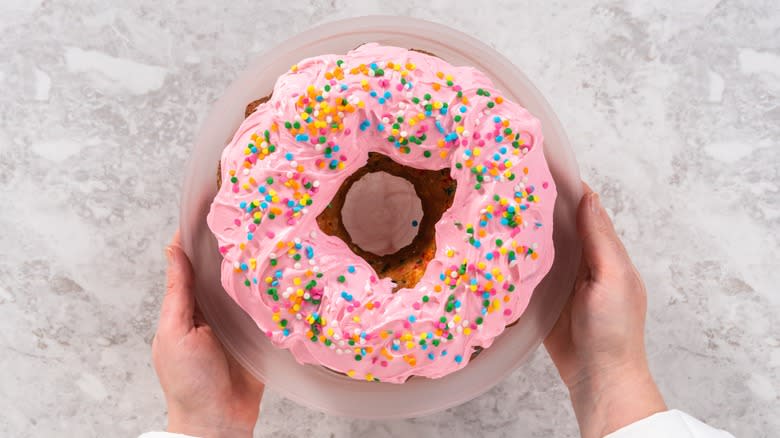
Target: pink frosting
<point>308,291</point>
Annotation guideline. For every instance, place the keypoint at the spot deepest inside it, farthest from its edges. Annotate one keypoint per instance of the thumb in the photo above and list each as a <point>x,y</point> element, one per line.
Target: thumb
<point>176,314</point>
<point>602,249</point>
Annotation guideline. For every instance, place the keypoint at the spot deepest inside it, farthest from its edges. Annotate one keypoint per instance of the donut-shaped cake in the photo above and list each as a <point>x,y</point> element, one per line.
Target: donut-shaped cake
<point>485,241</point>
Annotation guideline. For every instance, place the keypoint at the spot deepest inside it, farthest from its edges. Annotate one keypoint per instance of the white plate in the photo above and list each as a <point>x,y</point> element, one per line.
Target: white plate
<point>311,385</point>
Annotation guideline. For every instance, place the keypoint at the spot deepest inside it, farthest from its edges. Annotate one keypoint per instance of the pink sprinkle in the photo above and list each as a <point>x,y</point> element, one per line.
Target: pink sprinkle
<point>416,306</point>
<point>407,325</point>
<point>464,142</point>
<point>275,309</point>
<point>476,136</point>
<point>270,234</point>
<point>398,335</point>
<point>347,131</point>
<point>235,189</point>
<point>373,279</point>
<point>331,143</point>
<point>507,312</point>
<point>399,87</point>
<point>252,227</point>
<point>356,303</point>
<point>237,222</point>
<point>269,334</point>
<point>323,131</point>
<point>456,88</point>
<point>545,185</point>
<point>374,359</point>
<point>383,363</point>
<point>376,303</point>
<point>481,142</point>
<point>350,308</point>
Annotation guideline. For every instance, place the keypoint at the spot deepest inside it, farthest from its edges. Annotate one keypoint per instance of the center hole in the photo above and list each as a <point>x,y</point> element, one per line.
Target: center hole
<point>382,213</point>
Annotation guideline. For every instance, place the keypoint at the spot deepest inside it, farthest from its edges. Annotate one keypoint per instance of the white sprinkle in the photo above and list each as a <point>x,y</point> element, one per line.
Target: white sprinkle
<point>313,234</point>
<point>306,296</point>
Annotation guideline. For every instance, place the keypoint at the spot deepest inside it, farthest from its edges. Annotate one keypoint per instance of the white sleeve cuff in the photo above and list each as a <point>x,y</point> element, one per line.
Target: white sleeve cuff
<point>671,424</point>
<point>164,435</point>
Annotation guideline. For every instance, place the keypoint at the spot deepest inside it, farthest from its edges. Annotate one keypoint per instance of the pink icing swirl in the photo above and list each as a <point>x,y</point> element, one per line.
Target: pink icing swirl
<point>308,291</point>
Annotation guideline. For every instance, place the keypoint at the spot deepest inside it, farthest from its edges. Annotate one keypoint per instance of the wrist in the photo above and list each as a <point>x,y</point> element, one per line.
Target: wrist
<point>205,427</point>
<point>614,397</point>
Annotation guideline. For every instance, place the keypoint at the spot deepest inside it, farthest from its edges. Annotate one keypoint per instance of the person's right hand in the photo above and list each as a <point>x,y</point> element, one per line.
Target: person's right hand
<point>598,342</point>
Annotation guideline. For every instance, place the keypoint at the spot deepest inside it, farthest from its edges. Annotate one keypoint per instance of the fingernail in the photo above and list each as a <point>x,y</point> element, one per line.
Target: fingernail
<point>169,254</point>
<point>594,203</point>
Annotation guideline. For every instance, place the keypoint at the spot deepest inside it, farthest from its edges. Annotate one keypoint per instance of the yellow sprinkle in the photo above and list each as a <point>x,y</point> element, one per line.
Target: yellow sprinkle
<point>351,373</point>
<point>467,331</point>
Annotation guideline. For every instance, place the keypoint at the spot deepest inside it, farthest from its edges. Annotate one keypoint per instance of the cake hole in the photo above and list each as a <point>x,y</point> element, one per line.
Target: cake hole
<point>382,213</point>
<point>435,190</point>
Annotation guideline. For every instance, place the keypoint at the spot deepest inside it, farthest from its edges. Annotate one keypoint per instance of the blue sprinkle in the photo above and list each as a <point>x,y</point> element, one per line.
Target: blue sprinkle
<point>289,156</point>
<point>319,98</point>
<point>372,93</point>
<point>412,318</point>
<point>373,66</point>
<point>388,95</point>
<point>429,335</point>
<point>336,148</point>
<point>496,156</point>
<point>344,87</point>
<point>415,223</point>
<point>428,113</point>
<point>477,244</point>
<point>250,236</point>
<point>242,204</point>
<point>444,352</point>
<point>458,358</point>
<point>309,252</point>
<point>489,256</point>
<point>502,150</point>
<point>485,295</point>
<point>278,273</point>
<point>484,311</point>
<point>263,205</point>
<point>499,138</point>
<point>254,280</point>
<point>298,246</point>
<point>504,221</point>
<point>302,137</point>
<point>351,269</point>
<point>463,109</point>
<point>261,189</point>
<point>286,332</point>
<point>395,347</point>
<point>290,203</point>
<point>442,277</point>
<point>315,315</point>
<point>482,223</point>
<point>497,119</point>
<point>244,267</point>
<point>424,347</point>
<point>431,356</point>
<point>443,111</point>
<point>457,304</point>
<point>363,334</point>
<point>380,127</point>
<point>439,127</point>
<point>381,100</point>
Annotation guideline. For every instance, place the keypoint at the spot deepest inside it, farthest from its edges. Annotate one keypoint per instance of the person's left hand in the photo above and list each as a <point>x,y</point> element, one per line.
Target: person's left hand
<point>208,393</point>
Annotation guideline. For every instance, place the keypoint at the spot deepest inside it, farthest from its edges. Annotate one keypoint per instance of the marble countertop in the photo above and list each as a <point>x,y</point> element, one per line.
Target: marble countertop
<point>672,107</point>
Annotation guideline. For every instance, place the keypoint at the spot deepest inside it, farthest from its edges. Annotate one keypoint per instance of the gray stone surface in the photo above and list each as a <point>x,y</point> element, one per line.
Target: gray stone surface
<point>672,107</point>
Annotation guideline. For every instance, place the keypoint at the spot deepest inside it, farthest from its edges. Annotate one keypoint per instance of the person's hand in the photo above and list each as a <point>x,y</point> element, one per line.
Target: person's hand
<point>208,393</point>
<point>598,342</point>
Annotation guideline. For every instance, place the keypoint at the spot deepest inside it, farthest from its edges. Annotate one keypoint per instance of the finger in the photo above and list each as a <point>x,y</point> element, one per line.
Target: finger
<point>176,314</point>
<point>602,249</point>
